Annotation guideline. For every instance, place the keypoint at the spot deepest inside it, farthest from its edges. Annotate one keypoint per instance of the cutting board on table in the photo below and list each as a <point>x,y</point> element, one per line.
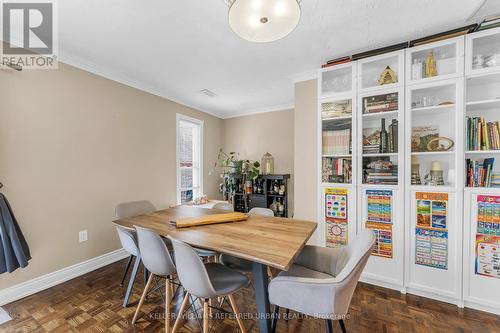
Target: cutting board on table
<point>184,222</point>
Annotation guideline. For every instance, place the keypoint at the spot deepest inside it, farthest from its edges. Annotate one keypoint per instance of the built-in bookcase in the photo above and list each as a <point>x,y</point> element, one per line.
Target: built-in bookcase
<point>481,282</point>
<point>381,166</point>
<point>336,141</point>
<point>437,235</point>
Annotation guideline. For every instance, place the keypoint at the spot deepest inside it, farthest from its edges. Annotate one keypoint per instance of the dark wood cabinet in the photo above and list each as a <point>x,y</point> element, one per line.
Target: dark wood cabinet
<point>268,191</point>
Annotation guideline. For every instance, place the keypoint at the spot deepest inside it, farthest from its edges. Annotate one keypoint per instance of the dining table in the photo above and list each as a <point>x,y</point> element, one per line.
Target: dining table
<point>265,241</point>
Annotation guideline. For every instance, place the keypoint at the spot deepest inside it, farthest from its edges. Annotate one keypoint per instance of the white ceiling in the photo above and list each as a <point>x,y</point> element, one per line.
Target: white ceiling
<point>177,48</point>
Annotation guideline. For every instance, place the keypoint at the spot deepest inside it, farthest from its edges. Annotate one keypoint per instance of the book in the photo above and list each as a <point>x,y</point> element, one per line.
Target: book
<point>382,50</point>
<point>336,142</point>
<point>336,170</point>
<point>421,136</point>
<point>481,135</point>
<point>336,109</point>
<point>443,35</point>
<point>481,174</point>
<point>337,61</point>
<point>380,103</point>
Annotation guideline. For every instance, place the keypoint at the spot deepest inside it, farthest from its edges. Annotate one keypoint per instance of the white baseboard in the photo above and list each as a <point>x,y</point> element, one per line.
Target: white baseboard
<point>43,282</point>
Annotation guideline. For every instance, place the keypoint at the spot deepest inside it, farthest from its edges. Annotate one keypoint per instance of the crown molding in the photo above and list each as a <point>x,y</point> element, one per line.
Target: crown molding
<point>250,112</point>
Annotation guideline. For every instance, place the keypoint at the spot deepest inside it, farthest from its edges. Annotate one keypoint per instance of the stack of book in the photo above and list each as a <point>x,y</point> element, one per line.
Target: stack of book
<point>380,103</point>
<point>371,149</point>
<point>495,180</point>
<point>336,170</point>
<point>488,23</point>
<point>482,135</point>
<point>480,174</point>
<point>337,61</point>
<point>336,142</point>
<point>381,172</point>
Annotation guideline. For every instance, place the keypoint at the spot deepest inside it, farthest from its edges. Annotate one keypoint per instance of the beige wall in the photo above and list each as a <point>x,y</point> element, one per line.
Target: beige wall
<point>305,153</point>
<point>72,146</point>
<point>253,136</point>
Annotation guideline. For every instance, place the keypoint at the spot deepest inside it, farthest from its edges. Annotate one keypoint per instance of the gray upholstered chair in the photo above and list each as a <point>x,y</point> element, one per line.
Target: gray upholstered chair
<point>156,258</point>
<point>323,280</point>
<point>223,206</point>
<point>128,239</point>
<point>261,211</point>
<point>205,281</point>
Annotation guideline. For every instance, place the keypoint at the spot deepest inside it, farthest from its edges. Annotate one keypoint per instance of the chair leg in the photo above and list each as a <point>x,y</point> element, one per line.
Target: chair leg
<point>237,313</point>
<point>274,323</point>
<point>181,311</point>
<point>168,296</point>
<point>342,326</point>
<point>131,280</point>
<point>124,275</point>
<point>143,297</point>
<point>205,316</point>
<point>328,323</point>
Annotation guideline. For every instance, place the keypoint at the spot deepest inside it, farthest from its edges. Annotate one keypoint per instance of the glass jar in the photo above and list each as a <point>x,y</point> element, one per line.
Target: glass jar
<point>267,164</point>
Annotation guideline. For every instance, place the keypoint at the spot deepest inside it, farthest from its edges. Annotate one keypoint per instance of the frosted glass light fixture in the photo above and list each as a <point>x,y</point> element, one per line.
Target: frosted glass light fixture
<point>263,20</point>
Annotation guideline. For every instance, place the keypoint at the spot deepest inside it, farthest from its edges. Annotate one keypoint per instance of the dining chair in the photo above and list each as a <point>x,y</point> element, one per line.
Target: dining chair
<point>156,258</point>
<point>205,281</point>
<point>128,239</point>
<point>261,211</point>
<point>323,280</point>
<point>212,254</point>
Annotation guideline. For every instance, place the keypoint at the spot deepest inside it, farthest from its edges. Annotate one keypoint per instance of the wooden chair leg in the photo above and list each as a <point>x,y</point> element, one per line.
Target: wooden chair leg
<point>205,316</point>
<point>342,326</point>
<point>237,313</point>
<point>143,297</point>
<point>184,304</point>
<point>168,297</point>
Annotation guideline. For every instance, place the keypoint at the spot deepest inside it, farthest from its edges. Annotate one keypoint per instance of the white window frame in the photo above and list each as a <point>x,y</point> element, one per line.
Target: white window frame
<point>184,118</point>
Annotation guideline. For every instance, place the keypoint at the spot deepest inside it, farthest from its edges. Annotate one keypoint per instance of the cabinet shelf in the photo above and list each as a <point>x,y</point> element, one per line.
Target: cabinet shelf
<point>337,155</point>
<point>431,153</point>
<point>474,152</point>
<point>380,155</point>
<point>483,104</point>
<point>428,110</point>
<point>337,118</point>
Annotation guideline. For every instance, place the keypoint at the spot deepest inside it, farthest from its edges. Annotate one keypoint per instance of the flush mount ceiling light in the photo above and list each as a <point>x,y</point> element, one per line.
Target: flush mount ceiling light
<point>263,20</point>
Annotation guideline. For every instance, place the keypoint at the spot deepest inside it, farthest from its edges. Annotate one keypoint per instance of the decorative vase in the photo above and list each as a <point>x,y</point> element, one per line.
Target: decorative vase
<point>267,164</point>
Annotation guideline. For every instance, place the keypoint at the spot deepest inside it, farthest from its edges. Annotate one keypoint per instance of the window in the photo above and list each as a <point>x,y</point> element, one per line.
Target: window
<point>189,158</point>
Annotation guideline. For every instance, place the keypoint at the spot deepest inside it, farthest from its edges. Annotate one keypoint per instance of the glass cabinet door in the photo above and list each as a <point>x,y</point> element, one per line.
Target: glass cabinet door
<point>435,61</point>
<point>385,71</point>
<point>483,52</point>
<point>337,80</point>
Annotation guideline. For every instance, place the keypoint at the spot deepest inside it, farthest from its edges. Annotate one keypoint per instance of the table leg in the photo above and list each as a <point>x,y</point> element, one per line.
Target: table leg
<point>261,281</point>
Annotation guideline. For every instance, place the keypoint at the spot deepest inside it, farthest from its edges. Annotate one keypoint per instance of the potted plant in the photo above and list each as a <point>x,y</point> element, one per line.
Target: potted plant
<point>232,168</point>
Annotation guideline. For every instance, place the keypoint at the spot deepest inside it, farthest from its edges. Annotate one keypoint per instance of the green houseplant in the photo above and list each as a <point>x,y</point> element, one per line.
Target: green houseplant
<point>233,168</point>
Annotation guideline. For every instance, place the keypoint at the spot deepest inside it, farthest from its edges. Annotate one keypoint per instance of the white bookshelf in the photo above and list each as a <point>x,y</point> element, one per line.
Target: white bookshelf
<point>459,89</point>
<point>482,84</point>
<point>337,84</point>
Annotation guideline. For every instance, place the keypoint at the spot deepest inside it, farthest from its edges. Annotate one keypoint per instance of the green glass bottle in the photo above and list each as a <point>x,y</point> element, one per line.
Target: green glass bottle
<point>384,142</point>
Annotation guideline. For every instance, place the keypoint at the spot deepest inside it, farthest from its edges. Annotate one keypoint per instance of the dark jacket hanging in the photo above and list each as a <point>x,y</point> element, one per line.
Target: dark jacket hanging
<point>14,251</point>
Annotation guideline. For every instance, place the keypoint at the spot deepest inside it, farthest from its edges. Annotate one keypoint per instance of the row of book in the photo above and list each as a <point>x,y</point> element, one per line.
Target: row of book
<point>480,174</point>
<point>421,41</point>
<point>482,135</point>
<point>336,142</point>
<point>336,170</point>
<point>380,103</point>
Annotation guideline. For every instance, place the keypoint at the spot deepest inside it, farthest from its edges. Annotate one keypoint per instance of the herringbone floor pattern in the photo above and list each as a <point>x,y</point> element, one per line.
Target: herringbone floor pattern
<point>92,303</point>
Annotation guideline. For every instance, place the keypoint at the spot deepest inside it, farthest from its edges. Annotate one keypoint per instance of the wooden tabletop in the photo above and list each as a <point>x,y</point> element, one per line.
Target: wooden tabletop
<point>271,241</point>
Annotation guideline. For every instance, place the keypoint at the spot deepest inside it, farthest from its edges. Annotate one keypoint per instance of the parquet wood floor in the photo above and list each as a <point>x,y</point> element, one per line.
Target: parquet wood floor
<point>92,303</point>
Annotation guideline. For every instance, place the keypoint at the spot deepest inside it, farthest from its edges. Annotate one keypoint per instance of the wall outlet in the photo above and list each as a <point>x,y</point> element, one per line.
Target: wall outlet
<point>83,236</point>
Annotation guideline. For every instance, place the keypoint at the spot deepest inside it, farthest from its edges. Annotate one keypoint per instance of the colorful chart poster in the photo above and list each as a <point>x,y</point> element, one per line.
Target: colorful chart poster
<point>488,215</point>
<point>336,213</point>
<point>383,239</point>
<point>431,232</point>
<point>379,206</point>
<point>488,255</point>
<point>431,248</point>
<point>431,210</point>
